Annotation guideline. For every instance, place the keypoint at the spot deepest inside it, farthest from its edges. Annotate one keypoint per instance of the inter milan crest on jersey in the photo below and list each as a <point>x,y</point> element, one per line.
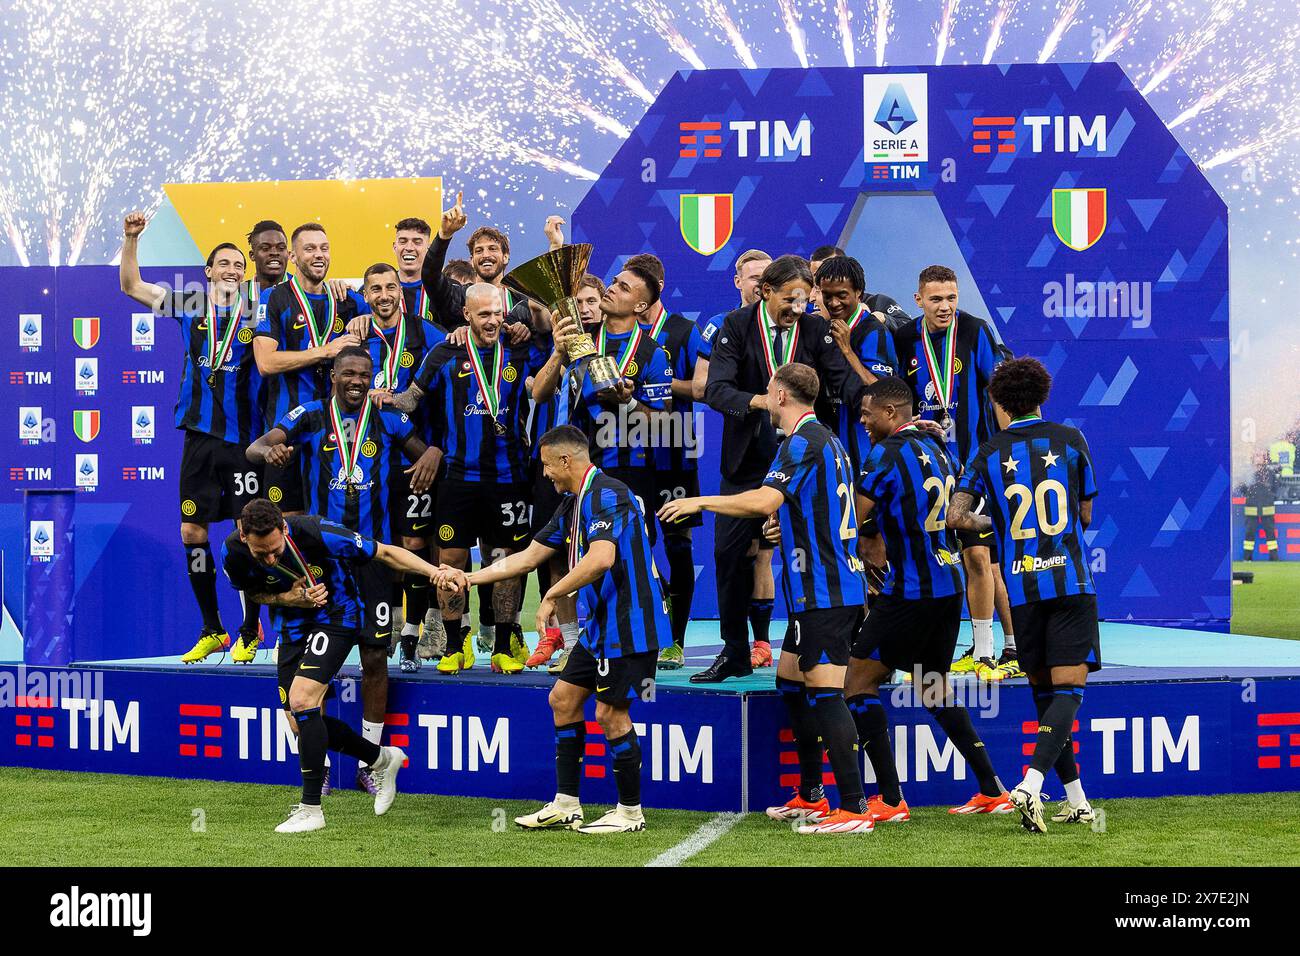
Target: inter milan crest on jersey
<point>142,331</point>
<point>85,423</point>
<point>85,331</point>
<point>706,221</point>
<point>29,332</point>
<point>1079,216</point>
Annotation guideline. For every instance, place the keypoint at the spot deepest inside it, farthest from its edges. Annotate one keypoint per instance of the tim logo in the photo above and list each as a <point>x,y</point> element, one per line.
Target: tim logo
<point>774,139</point>
<point>86,375</point>
<point>399,735</point>
<point>200,730</point>
<point>150,473</point>
<point>1030,729</point>
<point>28,473</point>
<point>1047,134</point>
<point>30,332</point>
<point>1273,741</point>
<point>36,727</point>
<point>30,378</point>
<point>146,376</point>
<point>142,331</point>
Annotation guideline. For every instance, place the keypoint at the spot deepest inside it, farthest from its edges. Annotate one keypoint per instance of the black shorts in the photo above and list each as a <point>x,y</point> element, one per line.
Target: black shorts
<point>1058,632</point>
<point>823,635</point>
<point>642,483</point>
<point>490,514</point>
<point>375,582</point>
<point>317,657</point>
<point>670,485</point>
<point>413,515</point>
<point>284,486</point>
<point>216,479</point>
<point>980,539</point>
<point>903,634</point>
<point>545,498</point>
<point>616,680</point>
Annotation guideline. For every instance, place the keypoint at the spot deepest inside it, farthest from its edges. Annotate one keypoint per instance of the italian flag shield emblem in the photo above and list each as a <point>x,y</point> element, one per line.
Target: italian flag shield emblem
<point>706,221</point>
<point>1079,216</point>
<point>86,331</point>
<point>86,424</point>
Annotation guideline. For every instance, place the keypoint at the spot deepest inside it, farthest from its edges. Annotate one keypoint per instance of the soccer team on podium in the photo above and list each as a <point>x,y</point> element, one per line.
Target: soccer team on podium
<point>901,466</point>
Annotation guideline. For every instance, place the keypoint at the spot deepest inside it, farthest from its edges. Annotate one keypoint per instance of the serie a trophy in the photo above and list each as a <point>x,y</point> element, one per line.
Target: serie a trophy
<point>551,279</point>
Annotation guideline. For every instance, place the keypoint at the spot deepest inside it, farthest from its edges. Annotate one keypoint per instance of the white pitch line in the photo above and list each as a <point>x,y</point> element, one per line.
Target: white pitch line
<point>698,841</point>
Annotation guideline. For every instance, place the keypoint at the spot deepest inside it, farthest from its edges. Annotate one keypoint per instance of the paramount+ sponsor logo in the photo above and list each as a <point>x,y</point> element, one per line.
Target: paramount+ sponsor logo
<point>1032,565</point>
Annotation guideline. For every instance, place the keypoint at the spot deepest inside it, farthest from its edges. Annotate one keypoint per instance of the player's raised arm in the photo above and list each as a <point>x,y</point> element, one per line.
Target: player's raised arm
<point>961,518</point>
<point>755,503</point>
<point>272,448</point>
<point>146,293</point>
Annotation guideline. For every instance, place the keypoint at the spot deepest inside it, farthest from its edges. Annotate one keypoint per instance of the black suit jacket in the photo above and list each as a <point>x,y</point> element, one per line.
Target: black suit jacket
<point>738,371</point>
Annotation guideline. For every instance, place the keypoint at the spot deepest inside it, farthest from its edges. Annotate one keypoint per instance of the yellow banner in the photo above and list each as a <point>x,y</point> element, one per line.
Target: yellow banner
<point>359,215</point>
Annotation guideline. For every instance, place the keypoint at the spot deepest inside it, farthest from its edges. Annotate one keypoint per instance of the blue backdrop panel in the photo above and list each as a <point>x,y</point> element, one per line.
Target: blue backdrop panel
<point>1143,371</point>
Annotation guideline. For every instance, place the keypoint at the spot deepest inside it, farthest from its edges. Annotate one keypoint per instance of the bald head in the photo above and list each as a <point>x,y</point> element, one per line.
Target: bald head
<point>483,313</point>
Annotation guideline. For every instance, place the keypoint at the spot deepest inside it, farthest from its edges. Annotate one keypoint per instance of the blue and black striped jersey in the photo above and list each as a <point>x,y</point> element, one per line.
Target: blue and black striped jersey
<point>968,406</point>
<point>416,301</point>
<point>228,407</point>
<point>281,319</point>
<point>678,450</point>
<point>380,459</point>
<point>421,337</point>
<point>330,552</point>
<point>910,478</point>
<point>555,410</point>
<point>874,346</point>
<point>626,612</point>
<point>614,443</point>
<point>820,565</point>
<point>475,445</point>
<point>1033,476</point>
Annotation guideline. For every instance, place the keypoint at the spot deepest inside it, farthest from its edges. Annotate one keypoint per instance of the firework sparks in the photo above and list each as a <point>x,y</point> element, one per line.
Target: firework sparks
<point>943,38</point>
<point>846,32</point>
<point>1186,45</point>
<point>657,15</point>
<point>1066,18</point>
<point>791,20</point>
<point>719,15</point>
<point>996,26</point>
<point>1126,27</point>
<point>883,26</point>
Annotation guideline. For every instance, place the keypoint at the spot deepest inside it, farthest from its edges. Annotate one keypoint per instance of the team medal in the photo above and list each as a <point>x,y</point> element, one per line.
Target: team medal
<point>219,346</point>
<point>392,361</point>
<point>575,552</point>
<point>350,474</point>
<point>303,566</point>
<point>769,331</point>
<point>489,388</point>
<point>422,308</point>
<point>629,352</point>
<point>319,336</point>
<point>942,383</point>
<point>659,323</point>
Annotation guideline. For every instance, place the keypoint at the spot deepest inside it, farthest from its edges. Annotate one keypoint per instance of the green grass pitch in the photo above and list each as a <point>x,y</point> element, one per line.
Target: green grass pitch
<point>54,818</point>
<point>1270,605</point>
